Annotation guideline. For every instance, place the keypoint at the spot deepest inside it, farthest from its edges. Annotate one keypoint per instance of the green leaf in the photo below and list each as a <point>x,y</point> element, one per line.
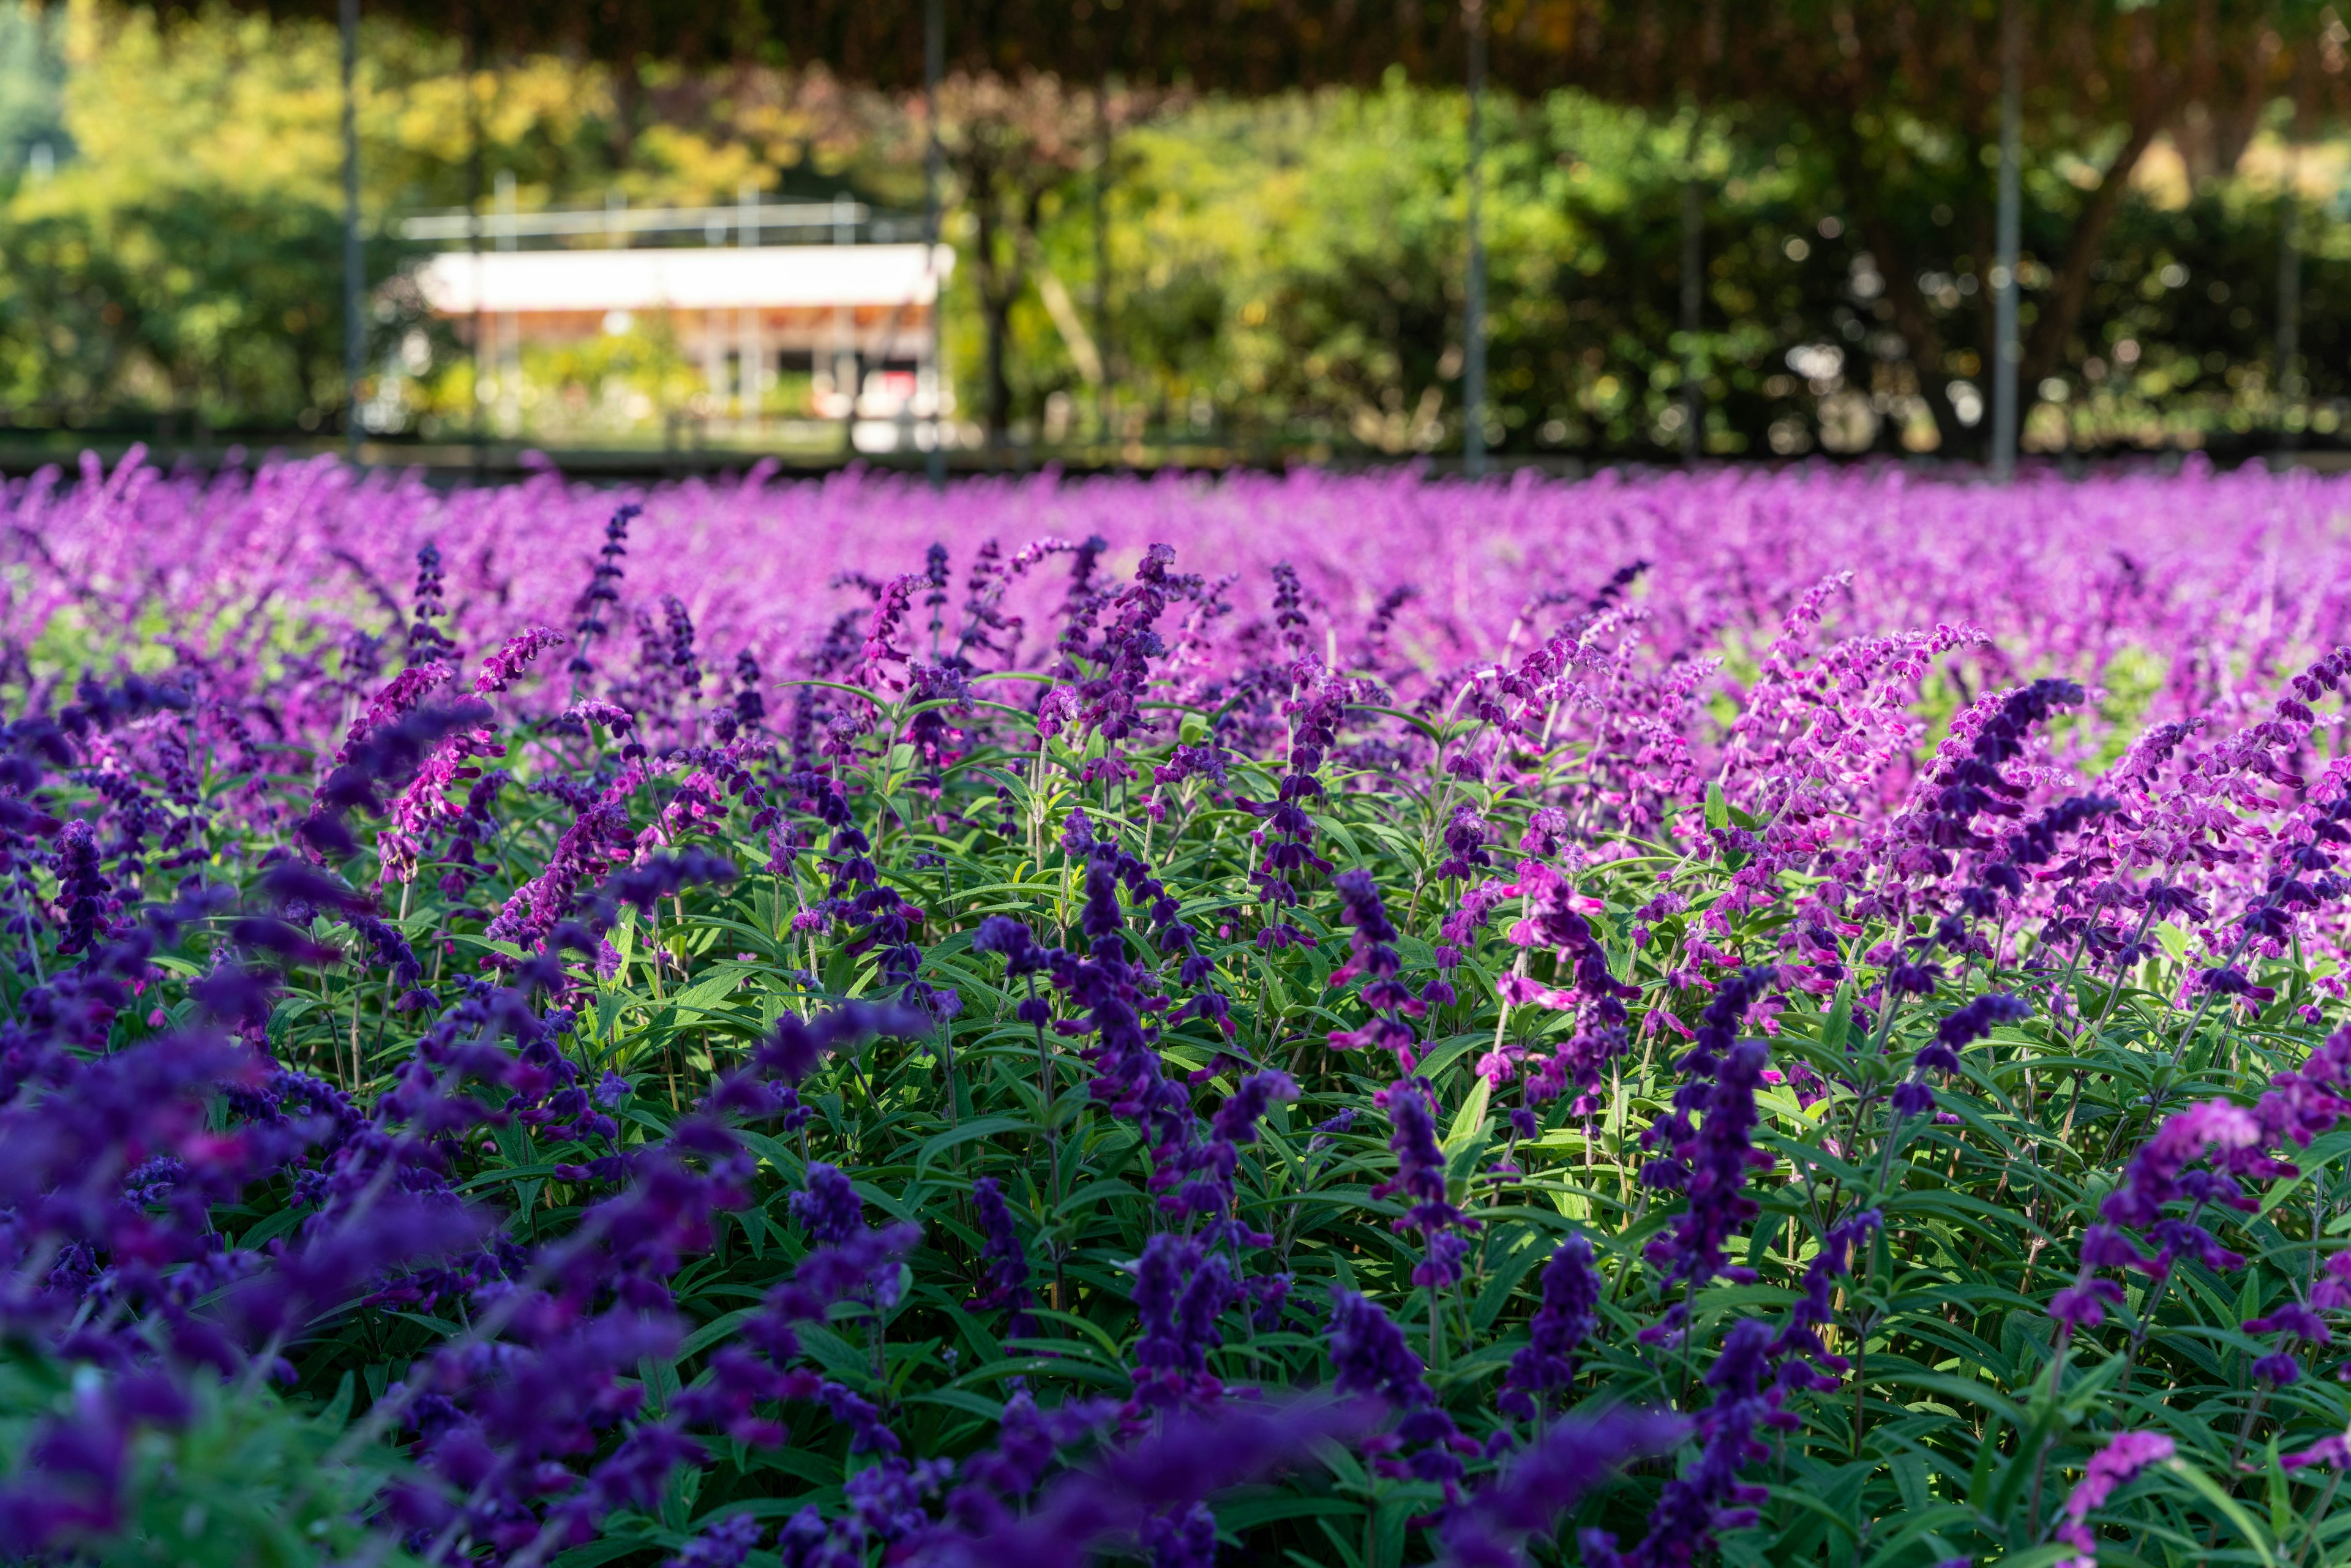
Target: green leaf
<point>983,1127</point>
<point>1471,1118</point>
<point>2228,1507</point>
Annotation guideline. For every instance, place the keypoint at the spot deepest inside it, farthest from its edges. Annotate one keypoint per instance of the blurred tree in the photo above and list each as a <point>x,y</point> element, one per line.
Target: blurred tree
<point>32,90</point>
<point>1010,145</point>
<point>1902,101</point>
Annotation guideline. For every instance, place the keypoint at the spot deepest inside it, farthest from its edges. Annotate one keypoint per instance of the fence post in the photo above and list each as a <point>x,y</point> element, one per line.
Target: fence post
<point>2009,351</point>
<point>1473,326</point>
<point>935,27</point>
<point>354,264</point>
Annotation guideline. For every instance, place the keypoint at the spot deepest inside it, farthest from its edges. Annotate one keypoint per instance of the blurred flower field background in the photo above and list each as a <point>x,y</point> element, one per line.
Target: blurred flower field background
<point>1738,1018</point>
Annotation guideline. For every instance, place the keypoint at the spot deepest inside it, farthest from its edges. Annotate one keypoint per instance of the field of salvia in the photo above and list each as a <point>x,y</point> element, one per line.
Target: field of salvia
<point>1760,1018</point>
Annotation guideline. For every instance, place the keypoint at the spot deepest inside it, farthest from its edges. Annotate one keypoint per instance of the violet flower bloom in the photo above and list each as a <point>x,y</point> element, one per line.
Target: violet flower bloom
<point>1317,703</point>
<point>2111,1468</point>
<point>2292,1322</point>
<point>721,1545</point>
<point>1164,1476</point>
<point>71,1488</point>
<point>1544,1480</point>
<point>1541,1374</point>
<point>505,666</point>
<point>2333,1450</point>
<point>602,586</point>
<point>1373,950</point>
<point>1717,1031</point>
<point>1720,1156</point>
<point>1180,1291</point>
<point>1708,1497</point>
<point>2333,1288</point>
<point>1813,1309</point>
<point>1006,1259</point>
<point>1212,1189</point>
<point>1464,844</point>
<point>1027,1441</point>
<point>1369,1355</point>
<point>1375,936</point>
<point>794,1047</point>
<point>1236,1120</point>
<point>2157,1175</point>
<point>1963,1028</point>
<point>830,1209</point>
<point>1421,1179</point>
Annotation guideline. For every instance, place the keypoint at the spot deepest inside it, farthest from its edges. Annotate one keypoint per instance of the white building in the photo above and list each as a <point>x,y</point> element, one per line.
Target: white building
<point>856,317</point>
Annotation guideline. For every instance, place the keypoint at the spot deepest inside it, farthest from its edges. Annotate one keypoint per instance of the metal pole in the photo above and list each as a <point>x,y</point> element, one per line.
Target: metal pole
<point>2009,350</point>
<point>1101,253</point>
<point>746,353</point>
<point>473,154</point>
<point>507,326</point>
<point>935,49</point>
<point>1693,298</point>
<point>354,265</point>
<point>2289,321</point>
<point>1473,326</point>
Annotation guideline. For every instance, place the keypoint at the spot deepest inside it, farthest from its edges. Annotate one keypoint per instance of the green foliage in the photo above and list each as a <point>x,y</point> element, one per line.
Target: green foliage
<point>252,1481</point>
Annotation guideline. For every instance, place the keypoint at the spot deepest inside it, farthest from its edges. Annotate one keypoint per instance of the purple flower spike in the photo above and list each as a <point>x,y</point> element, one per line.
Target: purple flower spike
<point>1420,1178</point>
<point>2111,1468</point>
<point>1165,1476</point>
<point>830,1209</point>
<point>1570,1459</point>
<point>1006,1259</point>
<point>1540,1374</point>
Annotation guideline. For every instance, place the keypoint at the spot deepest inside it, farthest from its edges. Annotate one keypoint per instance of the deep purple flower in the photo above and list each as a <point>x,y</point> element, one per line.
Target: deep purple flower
<point>1720,1156</point>
<point>1180,1291</point>
<point>830,1209</point>
<point>2295,1321</point>
<point>1006,1259</point>
<point>2112,1466</point>
<point>1708,1497</point>
<point>1976,1019</point>
<point>1542,1482</point>
<point>1541,1373</point>
<point>721,1545</point>
<point>1421,1179</point>
<point>1164,1476</point>
<point>1813,1309</point>
<point>1236,1120</point>
<point>1369,1355</point>
<point>1375,936</point>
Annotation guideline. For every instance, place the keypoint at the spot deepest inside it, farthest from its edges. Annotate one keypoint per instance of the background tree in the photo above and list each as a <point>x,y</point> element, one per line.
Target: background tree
<point>1902,101</point>
<point>1010,145</point>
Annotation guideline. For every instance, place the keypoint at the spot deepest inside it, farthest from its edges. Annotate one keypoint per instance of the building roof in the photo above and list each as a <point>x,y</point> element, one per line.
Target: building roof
<point>774,277</point>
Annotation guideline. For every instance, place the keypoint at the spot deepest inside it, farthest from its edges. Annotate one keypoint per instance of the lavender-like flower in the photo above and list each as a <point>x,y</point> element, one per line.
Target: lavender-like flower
<point>1186,1461</point>
<point>1006,1259</point>
<point>830,1209</point>
<point>721,1545</point>
<point>1525,1500</point>
<point>1539,1375</point>
<point>1421,1179</point>
<point>1180,1291</point>
<point>1720,1156</point>
<point>2118,1463</point>
<point>1369,1355</point>
<point>1708,1497</point>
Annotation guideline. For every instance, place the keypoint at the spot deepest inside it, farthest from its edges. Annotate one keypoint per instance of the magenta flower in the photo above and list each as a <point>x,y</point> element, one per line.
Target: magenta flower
<point>2125,1455</point>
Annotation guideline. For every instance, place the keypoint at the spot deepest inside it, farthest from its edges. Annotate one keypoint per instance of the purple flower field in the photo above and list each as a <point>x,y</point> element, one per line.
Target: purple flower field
<point>1760,1018</point>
